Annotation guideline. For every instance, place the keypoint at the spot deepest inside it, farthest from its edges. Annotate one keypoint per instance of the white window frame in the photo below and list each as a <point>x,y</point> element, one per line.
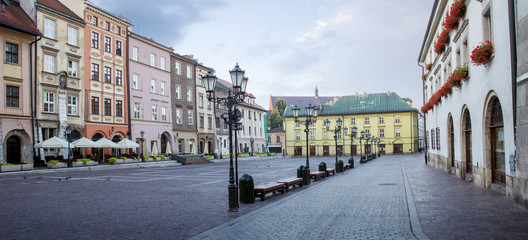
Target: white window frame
<point>178,92</point>
<point>189,95</point>
<point>325,135</point>
<point>162,63</point>
<point>397,118</point>
<point>297,135</point>
<point>153,59</point>
<point>381,119</point>
<point>367,120</point>
<point>135,81</point>
<point>49,28</point>
<point>137,110</point>
<point>73,68</point>
<point>189,117</point>
<point>178,68</point>
<point>72,36</point>
<point>162,88</point>
<point>135,53</point>
<point>164,114</point>
<point>381,132</point>
<point>398,132</point>
<point>312,135</point>
<point>154,112</point>
<point>189,72</point>
<point>49,101</point>
<point>153,85</point>
<point>178,116</point>
<point>49,63</point>
<point>73,105</point>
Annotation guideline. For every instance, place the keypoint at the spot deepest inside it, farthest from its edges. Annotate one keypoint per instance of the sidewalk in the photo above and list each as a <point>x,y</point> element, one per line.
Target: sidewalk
<point>368,202</point>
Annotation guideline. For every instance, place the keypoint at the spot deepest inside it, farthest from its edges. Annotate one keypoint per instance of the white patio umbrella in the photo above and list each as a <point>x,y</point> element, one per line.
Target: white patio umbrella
<point>105,143</point>
<point>85,143</point>
<point>126,143</point>
<point>168,150</point>
<point>155,149</point>
<point>54,142</point>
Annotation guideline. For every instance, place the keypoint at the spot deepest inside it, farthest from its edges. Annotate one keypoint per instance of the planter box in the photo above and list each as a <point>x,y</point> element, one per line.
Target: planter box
<point>58,165</point>
<point>10,168</point>
<point>120,161</point>
<point>26,167</point>
<point>92,163</point>
<point>129,160</point>
<point>150,160</point>
<point>77,164</point>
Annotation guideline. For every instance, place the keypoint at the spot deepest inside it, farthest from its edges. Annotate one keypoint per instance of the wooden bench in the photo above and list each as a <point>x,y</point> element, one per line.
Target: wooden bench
<point>291,182</point>
<point>330,170</point>
<point>346,166</point>
<point>262,190</point>
<point>317,175</point>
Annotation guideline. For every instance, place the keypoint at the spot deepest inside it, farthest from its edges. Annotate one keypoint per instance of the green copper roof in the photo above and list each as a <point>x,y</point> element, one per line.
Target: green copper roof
<point>360,104</point>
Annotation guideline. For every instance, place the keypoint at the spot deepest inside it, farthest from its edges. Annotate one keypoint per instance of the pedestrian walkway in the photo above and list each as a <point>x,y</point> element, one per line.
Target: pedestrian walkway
<point>451,208</point>
<point>368,202</point>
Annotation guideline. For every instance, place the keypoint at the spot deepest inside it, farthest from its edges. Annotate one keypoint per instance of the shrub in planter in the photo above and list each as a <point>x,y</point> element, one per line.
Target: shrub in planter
<point>112,160</point>
<point>54,162</point>
<point>162,157</point>
<point>145,158</point>
<point>154,157</point>
<point>124,158</point>
<point>482,53</point>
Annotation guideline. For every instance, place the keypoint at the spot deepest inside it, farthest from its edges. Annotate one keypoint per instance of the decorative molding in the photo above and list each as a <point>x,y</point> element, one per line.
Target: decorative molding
<point>437,69</point>
<point>73,55</point>
<point>446,54</point>
<point>13,79</point>
<point>46,48</point>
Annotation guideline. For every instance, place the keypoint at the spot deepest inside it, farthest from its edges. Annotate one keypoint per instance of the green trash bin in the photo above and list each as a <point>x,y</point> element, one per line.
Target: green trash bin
<point>246,188</point>
<point>299,171</point>
<point>351,162</point>
<point>322,168</point>
<point>305,175</point>
<point>340,166</point>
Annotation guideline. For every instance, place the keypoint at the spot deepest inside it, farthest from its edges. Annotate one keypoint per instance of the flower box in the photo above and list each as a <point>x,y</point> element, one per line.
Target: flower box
<point>57,165</point>
<point>120,161</point>
<point>77,164</point>
<point>10,168</point>
<point>27,167</point>
<point>92,163</point>
<point>129,160</point>
<point>482,53</point>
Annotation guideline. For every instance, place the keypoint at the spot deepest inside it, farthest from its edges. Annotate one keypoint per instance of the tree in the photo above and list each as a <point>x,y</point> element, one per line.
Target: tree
<point>274,119</point>
<point>280,105</point>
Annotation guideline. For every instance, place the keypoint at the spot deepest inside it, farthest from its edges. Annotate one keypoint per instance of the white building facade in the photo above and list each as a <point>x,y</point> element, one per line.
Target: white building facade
<point>469,131</point>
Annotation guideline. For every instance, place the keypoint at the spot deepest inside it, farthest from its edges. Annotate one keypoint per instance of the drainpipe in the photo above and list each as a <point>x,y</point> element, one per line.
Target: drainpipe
<point>513,63</point>
<point>128,85</point>
<point>424,116</point>
<point>32,103</point>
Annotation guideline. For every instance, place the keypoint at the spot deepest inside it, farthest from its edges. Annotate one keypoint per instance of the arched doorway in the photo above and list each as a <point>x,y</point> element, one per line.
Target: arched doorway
<point>13,145</point>
<point>163,143</point>
<point>451,146</point>
<point>98,152</point>
<point>496,140</point>
<point>76,152</point>
<point>201,147</point>
<point>466,125</point>
<point>210,147</point>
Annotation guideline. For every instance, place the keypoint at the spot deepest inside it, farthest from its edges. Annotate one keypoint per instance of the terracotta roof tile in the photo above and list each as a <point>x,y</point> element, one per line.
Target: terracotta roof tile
<point>15,17</point>
<point>59,7</point>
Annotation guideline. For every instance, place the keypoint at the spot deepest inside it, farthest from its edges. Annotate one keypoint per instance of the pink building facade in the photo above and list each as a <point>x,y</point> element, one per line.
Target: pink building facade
<point>150,95</point>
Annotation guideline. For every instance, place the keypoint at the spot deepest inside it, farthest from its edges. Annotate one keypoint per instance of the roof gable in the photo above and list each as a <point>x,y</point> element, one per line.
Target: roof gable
<point>61,8</point>
<point>16,18</point>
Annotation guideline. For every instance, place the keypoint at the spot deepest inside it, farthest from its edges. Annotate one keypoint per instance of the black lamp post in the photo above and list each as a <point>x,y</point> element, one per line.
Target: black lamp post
<point>68,137</point>
<point>336,130</point>
<point>311,117</point>
<point>366,143</point>
<point>232,118</point>
<point>361,146</point>
<point>353,134</point>
<point>142,134</point>
<point>251,141</point>
<point>220,147</point>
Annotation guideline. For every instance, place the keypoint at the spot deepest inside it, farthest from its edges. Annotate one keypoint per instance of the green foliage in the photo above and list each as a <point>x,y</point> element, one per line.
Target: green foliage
<point>124,158</point>
<point>145,158</point>
<point>280,105</point>
<point>154,157</point>
<point>29,163</point>
<point>5,164</point>
<point>162,157</point>
<point>209,156</point>
<point>112,160</point>
<point>54,162</point>
<point>274,119</point>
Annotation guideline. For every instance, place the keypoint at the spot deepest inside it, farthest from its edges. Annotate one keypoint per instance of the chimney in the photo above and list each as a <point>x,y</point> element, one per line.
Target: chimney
<point>388,93</point>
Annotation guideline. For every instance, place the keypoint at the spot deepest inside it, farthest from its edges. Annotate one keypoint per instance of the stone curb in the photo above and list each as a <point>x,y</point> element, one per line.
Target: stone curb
<point>416,226</point>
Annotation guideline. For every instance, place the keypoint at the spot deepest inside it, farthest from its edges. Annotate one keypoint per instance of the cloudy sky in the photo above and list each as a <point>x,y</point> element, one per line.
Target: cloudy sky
<point>288,47</point>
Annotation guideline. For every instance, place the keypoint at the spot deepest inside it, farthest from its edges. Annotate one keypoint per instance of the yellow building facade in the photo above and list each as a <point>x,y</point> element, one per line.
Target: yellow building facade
<point>384,115</point>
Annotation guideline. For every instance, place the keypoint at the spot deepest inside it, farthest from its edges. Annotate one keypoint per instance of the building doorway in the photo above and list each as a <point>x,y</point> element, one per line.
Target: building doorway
<point>297,151</point>
<point>13,145</point>
<point>398,148</point>
<point>326,150</point>
<point>339,150</point>
<point>312,150</point>
<point>382,148</point>
<point>496,128</point>
<point>451,130</point>
<point>163,143</point>
<point>467,142</point>
<point>353,149</point>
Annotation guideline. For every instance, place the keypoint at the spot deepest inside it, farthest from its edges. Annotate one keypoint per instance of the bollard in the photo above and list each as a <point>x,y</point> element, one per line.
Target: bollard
<point>339,166</point>
<point>246,187</point>
<point>351,161</point>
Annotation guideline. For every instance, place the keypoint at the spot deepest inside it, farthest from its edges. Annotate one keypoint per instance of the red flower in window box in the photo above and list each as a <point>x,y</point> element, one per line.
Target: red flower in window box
<point>451,22</point>
<point>428,66</point>
<point>424,76</point>
<point>482,53</point>
<point>458,9</point>
<point>443,40</point>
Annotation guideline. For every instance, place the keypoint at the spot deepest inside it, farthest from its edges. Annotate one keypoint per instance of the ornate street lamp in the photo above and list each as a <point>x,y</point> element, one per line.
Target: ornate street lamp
<point>142,134</point>
<point>336,130</point>
<point>311,117</point>
<point>361,146</point>
<point>353,134</point>
<point>231,117</point>
<point>68,137</point>
<point>220,147</point>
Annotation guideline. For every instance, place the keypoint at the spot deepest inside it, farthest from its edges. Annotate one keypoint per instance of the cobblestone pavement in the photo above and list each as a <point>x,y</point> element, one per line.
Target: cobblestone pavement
<point>450,208</point>
<point>164,202</point>
<point>368,202</point>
